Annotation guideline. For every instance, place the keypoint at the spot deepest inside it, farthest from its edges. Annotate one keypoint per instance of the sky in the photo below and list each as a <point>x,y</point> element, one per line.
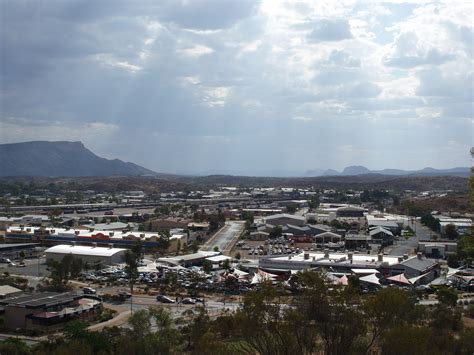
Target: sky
<point>252,87</point>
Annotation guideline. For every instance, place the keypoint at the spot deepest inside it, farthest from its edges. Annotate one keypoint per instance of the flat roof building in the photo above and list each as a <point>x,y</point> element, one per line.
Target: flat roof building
<point>47,310</point>
<point>89,254</point>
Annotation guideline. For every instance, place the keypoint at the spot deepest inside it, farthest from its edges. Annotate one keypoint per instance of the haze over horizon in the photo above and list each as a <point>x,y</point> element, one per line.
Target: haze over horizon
<point>199,86</point>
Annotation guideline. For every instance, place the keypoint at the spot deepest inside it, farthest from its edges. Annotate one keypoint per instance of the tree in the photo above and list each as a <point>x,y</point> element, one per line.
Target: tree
<point>382,318</point>
<point>163,242</point>
<point>275,232</point>
<point>207,266</point>
<point>62,271</point>
<point>178,247</point>
<point>133,259</point>
<point>313,203</point>
<point>237,256</point>
<point>14,346</point>
<point>448,297</point>
<point>22,255</point>
<point>291,208</point>
<point>431,222</point>
<point>216,248</point>
<point>451,232</point>
<point>226,264</point>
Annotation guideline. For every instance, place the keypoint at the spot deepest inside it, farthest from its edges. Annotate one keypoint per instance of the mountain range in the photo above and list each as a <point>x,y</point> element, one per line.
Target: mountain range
<point>362,170</point>
<point>73,159</point>
<point>65,159</point>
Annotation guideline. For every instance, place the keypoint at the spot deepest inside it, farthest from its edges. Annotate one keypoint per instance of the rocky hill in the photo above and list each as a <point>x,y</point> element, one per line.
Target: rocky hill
<point>69,159</point>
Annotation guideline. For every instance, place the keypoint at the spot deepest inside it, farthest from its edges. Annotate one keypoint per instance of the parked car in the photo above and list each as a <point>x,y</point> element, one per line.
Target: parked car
<point>89,291</point>
<point>124,294</point>
<point>5,261</point>
<point>188,301</point>
<point>164,299</point>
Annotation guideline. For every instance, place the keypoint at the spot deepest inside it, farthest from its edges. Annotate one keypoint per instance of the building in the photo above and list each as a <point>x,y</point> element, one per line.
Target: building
<point>125,238</point>
<point>47,311</point>
<point>12,251</point>
<point>284,218</point>
<point>110,226</point>
<point>388,223</point>
<point>382,236</point>
<point>259,235</point>
<point>417,266</point>
<point>462,225</point>
<point>323,238</point>
<point>386,265</point>
<point>335,262</point>
<point>355,241</point>
<point>437,249</point>
<point>188,259</point>
<point>350,212</point>
<point>8,291</point>
<point>89,254</point>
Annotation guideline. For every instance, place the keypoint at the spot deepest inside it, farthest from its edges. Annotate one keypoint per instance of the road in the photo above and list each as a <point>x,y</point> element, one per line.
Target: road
<point>225,238</point>
<point>408,246</point>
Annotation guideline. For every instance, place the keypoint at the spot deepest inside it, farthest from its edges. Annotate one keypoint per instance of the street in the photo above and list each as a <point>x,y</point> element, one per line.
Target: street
<point>408,246</point>
<point>225,238</point>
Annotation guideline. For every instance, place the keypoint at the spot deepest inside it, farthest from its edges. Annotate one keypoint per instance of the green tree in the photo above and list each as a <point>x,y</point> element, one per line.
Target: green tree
<point>448,297</point>
<point>313,203</point>
<point>207,266</point>
<point>291,208</point>
<point>163,242</point>
<point>62,271</point>
<point>275,232</point>
<point>226,264</point>
<point>133,258</point>
<point>382,318</point>
<point>14,346</point>
<point>451,232</point>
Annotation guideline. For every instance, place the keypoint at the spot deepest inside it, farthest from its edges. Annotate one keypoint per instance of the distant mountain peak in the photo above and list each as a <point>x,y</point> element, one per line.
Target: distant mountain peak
<point>355,170</point>
<point>61,158</point>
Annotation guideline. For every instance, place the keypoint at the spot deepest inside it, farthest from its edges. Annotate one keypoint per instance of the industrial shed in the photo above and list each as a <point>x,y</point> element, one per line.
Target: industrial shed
<point>91,254</point>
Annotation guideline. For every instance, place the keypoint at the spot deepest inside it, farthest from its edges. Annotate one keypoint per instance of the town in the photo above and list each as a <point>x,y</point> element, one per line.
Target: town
<point>258,177</point>
<point>100,257</point>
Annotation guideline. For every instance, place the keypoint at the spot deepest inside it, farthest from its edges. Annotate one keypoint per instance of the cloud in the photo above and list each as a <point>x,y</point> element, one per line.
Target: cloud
<point>302,118</point>
<point>330,30</point>
<point>218,81</point>
<point>196,51</point>
<point>343,58</point>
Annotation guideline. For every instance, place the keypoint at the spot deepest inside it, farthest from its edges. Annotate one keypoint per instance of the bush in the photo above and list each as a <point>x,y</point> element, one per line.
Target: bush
<point>470,311</point>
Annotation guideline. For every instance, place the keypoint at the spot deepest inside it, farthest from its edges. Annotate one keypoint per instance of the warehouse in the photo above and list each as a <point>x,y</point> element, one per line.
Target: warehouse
<point>89,254</point>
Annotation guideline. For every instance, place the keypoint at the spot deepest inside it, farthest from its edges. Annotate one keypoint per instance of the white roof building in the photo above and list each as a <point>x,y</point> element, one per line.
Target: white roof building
<point>89,254</point>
